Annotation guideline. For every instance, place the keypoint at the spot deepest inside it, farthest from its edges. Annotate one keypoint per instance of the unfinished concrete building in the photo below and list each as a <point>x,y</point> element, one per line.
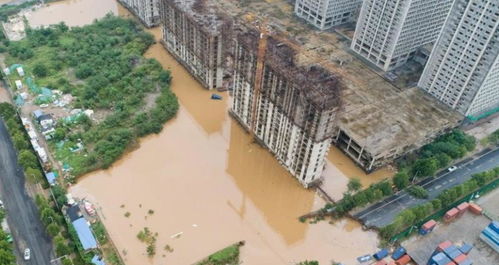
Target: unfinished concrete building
<point>290,109</point>
<point>192,33</point>
<point>146,10</point>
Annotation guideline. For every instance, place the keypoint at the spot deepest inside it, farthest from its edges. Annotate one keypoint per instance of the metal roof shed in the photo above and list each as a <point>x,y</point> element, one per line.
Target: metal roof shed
<point>85,235</point>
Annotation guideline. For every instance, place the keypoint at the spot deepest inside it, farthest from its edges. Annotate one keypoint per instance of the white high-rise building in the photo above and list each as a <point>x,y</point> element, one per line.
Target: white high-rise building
<point>146,10</point>
<point>327,13</point>
<point>389,32</point>
<point>463,69</point>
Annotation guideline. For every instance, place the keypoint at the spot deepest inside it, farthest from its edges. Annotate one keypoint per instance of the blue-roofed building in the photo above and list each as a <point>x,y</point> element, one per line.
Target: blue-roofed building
<point>84,233</point>
<point>98,260</point>
<point>51,178</point>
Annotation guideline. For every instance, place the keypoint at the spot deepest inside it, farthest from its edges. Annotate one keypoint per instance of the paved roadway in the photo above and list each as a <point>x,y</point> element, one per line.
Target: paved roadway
<point>382,213</point>
<point>23,217</point>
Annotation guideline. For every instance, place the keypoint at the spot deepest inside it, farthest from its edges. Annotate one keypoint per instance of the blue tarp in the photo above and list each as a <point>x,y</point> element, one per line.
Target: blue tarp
<point>51,177</point>
<point>85,235</point>
<point>97,260</point>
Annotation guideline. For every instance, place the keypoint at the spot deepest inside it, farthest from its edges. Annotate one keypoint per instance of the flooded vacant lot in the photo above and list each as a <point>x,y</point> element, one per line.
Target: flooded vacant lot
<point>205,178</point>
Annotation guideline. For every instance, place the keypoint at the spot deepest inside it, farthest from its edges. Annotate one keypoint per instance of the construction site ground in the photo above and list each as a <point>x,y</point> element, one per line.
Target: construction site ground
<point>465,229</point>
<point>483,128</point>
<point>376,114</point>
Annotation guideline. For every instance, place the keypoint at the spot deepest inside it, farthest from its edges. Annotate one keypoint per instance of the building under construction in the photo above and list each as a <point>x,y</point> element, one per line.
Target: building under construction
<point>290,109</point>
<point>192,33</point>
<point>297,96</point>
<point>146,10</point>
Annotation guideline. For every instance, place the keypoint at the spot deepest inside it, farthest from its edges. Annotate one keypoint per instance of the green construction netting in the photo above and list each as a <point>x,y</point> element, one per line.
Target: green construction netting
<point>484,115</point>
<point>19,100</point>
<point>13,67</point>
<point>32,86</point>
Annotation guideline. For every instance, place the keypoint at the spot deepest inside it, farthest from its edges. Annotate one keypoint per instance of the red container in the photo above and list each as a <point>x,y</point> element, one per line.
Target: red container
<point>451,214</point>
<point>460,258</point>
<point>429,225</point>
<point>381,262</point>
<point>463,207</point>
<point>451,263</point>
<point>392,263</point>
<point>403,260</point>
<point>444,245</point>
<point>475,208</point>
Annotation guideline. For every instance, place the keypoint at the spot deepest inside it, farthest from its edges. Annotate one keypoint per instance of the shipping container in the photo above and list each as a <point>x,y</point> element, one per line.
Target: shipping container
<point>444,245</point>
<point>475,208</point>
<point>451,214</point>
<point>492,235</point>
<point>381,262</point>
<point>463,207</point>
<point>452,251</point>
<point>460,258</point>
<point>398,253</point>
<point>427,227</point>
<point>494,226</point>
<point>381,254</point>
<point>466,262</point>
<point>439,259</point>
<point>403,260</point>
<point>466,248</point>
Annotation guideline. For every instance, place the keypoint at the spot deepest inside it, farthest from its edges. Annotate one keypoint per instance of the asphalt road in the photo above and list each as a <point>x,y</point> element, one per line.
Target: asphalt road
<point>22,213</point>
<point>383,213</point>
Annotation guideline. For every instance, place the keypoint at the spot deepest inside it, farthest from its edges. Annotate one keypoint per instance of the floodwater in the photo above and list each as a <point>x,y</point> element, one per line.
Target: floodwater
<point>205,178</point>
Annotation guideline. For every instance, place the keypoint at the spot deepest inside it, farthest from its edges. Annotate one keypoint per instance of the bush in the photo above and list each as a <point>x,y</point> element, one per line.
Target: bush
<point>418,192</point>
<point>401,180</point>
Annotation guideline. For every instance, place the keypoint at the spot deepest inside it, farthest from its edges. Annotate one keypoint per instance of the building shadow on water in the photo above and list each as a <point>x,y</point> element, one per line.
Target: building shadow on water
<point>266,184</point>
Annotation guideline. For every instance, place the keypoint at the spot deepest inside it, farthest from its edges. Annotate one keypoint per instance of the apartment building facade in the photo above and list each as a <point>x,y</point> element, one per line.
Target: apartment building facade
<point>192,33</point>
<point>463,69</point>
<point>146,10</point>
<point>325,14</point>
<point>389,32</point>
<point>291,111</point>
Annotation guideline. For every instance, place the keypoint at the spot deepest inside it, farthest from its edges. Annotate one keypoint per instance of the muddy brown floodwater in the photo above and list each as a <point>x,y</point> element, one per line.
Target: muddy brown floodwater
<point>205,178</point>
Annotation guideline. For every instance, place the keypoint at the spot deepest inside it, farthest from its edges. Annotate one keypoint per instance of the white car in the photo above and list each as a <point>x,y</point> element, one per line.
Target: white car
<point>450,169</point>
<point>27,254</point>
<point>1,204</point>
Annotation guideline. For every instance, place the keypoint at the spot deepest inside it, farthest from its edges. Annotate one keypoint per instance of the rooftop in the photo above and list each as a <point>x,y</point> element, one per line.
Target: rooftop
<point>375,112</point>
<point>203,12</point>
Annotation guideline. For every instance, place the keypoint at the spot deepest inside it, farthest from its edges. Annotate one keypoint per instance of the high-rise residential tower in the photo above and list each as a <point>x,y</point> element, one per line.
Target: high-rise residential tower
<point>325,14</point>
<point>289,108</point>
<point>194,32</point>
<point>463,69</point>
<point>389,32</point>
<point>146,10</point>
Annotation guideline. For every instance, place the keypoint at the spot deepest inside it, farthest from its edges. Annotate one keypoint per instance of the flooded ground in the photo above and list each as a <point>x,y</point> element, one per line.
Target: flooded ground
<point>203,176</point>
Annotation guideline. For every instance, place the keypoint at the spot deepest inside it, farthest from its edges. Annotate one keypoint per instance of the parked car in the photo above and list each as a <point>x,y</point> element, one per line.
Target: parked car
<point>27,254</point>
<point>453,168</point>
<point>1,204</point>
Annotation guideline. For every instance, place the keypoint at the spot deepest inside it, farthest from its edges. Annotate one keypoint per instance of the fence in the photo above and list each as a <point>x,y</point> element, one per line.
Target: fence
<point>439,214</point>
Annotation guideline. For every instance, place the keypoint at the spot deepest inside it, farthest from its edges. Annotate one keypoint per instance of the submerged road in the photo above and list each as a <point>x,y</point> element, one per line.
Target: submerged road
<point>22,213</point>
<point>383,213</point>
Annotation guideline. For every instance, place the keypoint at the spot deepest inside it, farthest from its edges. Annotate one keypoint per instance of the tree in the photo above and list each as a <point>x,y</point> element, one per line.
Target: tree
<point>425,167</point>
<point>27,159</point>
<point>354,185</point>
<point>401,180</point>
<point>418,192</point>
<point>53,229</point>
<point>40,70</point>
<point>34,175</point>
<point>19,141</point>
